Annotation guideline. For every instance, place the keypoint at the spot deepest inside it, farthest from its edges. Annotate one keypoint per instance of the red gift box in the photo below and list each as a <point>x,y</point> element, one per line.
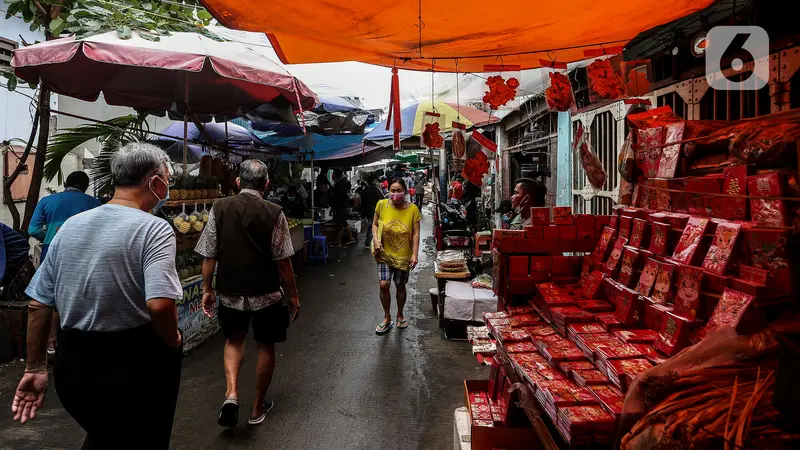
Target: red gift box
<point>534,232</point>
<point>673,219</point>
<point>687,291</point>
<point>648,278</point>
<point>610,398</point>
<point>609,320</point>
<point>767,250</point>
<point>589,377</point>
<point>660,198</point>
<point>649,151</point>
<point>522,310</point>
<point>654,315</point>
<point>658,241</point>
<point>719,254</point>
<point>562,215</point>
<point>673,335</point>
<point>629,305</point>
<point>734,184</point>
<point>593,285</point>
<point>523,320</point>
<point>541,264</point>
<point>614,223</point>
<point>690,240</point>
<point>585,226</point>
<point>662,288</point>
<point>678,200</point>
<point>600,222</point>
<point>670,154</point>
<point>567,366</point>
<point>585,328</point>
<point>603,244</point>
<point>636,336</point>
<point>639,233</point>
<point>595,305</point>
<point>764,211</point>
<point>540,216</point>
<point>752,274</point>
<point>518,266</point>
<point>550,232</point>
<point>729,310</point>
<point>569,232</point>
<point>520,347</point>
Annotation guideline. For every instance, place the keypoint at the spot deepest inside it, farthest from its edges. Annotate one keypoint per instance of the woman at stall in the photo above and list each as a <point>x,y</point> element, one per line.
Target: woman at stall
<point>395,244</point>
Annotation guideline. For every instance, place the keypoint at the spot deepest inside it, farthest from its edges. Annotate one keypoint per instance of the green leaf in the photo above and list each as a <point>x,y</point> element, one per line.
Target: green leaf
<point>10,2</point>
<point>203,15</point>
<point>71,18</point>
<point>149,37</point>
<point>33,86</point>
<point>12,83</point>
<point>57,25</point>
<point>147,7</point>
<point>34,26</point>
<point>124,32</point>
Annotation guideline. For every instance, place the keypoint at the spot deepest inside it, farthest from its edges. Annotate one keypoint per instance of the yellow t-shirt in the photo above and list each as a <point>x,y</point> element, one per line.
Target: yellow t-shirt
<point>398,231</point>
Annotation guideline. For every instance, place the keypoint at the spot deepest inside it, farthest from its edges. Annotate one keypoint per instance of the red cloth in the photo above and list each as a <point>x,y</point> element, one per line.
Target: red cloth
<point>456,190</point>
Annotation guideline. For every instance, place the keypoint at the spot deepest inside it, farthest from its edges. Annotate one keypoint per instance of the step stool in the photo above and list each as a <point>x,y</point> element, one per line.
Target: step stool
<point>318,250</point>
<point>483,243</point>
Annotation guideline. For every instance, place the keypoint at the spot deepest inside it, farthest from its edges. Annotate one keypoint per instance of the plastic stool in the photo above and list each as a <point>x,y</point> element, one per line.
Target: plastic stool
<point>318,250</point>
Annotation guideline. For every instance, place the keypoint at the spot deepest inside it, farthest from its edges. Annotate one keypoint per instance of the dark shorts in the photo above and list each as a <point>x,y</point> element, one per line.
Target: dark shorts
<point>269,324</point>
<point>340,216</point>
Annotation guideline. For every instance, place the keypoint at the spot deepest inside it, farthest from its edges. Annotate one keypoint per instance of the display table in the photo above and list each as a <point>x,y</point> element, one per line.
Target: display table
<point>298,238</point>
<point>441,282</point>
<point>196,326</point>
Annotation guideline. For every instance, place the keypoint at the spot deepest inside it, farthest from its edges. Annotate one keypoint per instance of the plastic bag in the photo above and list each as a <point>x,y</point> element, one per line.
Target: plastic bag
<point>196,219</point>
<point>482,281</point>
<point>595,172</point>
<point>558,96</point>
<point>459,141</point>
<point>605,81</point>
<point>181,221</point>
<point>638,76</point>
<point>432,125</point>
<point>626,162</point>
<point>501,86</point>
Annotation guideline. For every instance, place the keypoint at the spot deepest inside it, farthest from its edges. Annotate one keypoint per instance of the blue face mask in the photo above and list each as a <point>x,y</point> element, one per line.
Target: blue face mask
<point>505,218</point>
<point>161,201</point>
<point>290,198</point>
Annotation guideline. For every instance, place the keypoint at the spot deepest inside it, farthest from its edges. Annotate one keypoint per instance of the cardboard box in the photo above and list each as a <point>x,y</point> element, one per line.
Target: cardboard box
<point>569,232</point>
<point>541,216</point>
<point>550,232</point>
<point>534,232</point>
<point>562,215</point>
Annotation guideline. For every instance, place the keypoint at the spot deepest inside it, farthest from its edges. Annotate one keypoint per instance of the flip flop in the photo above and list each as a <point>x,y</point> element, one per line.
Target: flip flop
<point>401,324</point>
<point>382,328</point>
<point>229,413</point>
<point>268,405</point>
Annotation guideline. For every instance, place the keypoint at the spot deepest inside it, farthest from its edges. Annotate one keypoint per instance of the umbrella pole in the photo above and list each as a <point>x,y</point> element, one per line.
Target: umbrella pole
<point>185,120</point>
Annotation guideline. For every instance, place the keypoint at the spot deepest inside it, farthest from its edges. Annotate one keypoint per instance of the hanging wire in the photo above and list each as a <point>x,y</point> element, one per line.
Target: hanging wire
<point>421,26</point>
<point>458,96</point>
<point>433,73</point>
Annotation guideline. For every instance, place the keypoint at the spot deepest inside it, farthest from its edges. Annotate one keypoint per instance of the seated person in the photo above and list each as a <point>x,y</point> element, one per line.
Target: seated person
<point>293,204</point>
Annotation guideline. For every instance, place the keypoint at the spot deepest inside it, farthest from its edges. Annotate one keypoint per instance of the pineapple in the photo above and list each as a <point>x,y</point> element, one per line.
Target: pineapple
<point>178,192</point>
<point>183,272</point>
<point>191,184</point>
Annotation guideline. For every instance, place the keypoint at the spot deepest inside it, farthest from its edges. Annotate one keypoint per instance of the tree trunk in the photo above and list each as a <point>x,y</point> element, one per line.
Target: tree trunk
<point>38,163</point>
<point>9,180</point>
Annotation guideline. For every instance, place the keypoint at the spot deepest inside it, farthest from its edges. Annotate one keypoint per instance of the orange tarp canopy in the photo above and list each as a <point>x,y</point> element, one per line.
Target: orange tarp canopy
<point>477,33</point>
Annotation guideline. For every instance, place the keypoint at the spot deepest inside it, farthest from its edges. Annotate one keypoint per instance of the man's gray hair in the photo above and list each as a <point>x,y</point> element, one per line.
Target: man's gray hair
<point>136,161</point>
<point>253,174</point>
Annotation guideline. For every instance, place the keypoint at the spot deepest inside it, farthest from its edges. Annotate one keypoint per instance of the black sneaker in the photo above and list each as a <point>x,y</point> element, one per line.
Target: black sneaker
<point>229,414</point>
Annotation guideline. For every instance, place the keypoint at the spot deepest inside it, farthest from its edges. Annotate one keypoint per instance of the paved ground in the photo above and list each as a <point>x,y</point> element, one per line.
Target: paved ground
<point>337,385</point>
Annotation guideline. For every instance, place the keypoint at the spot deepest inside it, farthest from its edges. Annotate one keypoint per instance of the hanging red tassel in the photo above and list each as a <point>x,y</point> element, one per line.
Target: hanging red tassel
<point>394,109</point>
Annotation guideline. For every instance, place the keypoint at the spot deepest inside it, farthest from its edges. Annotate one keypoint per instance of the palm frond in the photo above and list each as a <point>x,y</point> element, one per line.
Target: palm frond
<point>125,128</point>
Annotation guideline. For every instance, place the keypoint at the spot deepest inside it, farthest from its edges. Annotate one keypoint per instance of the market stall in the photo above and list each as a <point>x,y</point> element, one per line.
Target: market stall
<point>691,285</point>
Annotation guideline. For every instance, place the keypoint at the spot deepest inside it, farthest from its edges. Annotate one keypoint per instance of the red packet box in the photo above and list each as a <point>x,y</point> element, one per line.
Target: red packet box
<point>648,277</point>
<point>734,184</point>
<point>767,251</point>
<point>764,211</point>
<point>654,315</point>
<point>754,275</point>
<point>604,244</point>
<point>610,398</point>
<point>534,232</point>
<point>595,305</point>
<point>636,336</point>
<point>518,266</point>
<point>600,222</point>
<point>661,194</point>
<point>690,240</point>
<point>719,254</point>
<point>593,285</point>
<point>639,233</point>
<point>673,335</point>
<point>561,265</point>
<point>541,263</point>
<point>671,154</point>
<point>687,291</point>
<point>678,200</point>
<point>562,215</point>
<point>625,224</point>
<point>714,283</point>
<point>550,232</point>
<point>541,216</point>
<point>614,223</point>
<point>629,306</point>
<point>609,321</point>
<point>585,226</point>
<point>567,232</point>
<point>616,255</point>
<point>660,236</point>
<point>674,220</point>
<point>649,151</point>
<point>729,311</point>
<point>696,187</point>
<point>630,263</point>
<point>589,377</point>
<point>508,234</point>
<point>662,288</point>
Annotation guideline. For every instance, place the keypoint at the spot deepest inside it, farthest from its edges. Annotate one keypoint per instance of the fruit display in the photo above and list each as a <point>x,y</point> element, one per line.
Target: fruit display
<point>188,187</point>
<point>182,222</point>
<point>189,264</point>
<point>294,222</point>
<point>196,219</point>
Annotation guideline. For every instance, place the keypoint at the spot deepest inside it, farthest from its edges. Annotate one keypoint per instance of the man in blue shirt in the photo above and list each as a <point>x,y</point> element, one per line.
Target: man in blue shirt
<point>53,210</point>
<point>13,252</point>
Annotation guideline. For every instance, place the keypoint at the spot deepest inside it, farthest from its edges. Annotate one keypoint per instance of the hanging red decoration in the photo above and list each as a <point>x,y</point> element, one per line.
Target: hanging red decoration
<point>559,94</point>
<point>604,81</point>
<point>431,137</point>
<point>500,91</point>
<point>394,109</point>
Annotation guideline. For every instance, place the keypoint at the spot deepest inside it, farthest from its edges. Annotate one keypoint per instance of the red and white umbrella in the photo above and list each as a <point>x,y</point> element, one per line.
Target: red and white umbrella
<point>211,77</point>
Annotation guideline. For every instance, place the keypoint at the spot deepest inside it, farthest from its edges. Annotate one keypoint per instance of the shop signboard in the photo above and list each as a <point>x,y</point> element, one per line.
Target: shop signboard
<point>195,325</point>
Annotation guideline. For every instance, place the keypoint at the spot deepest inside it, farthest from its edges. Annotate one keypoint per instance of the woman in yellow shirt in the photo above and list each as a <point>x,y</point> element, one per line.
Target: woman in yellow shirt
<point>395,241</point>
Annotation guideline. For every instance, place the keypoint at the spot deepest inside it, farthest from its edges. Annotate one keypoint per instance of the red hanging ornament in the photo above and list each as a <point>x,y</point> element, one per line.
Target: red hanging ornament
<point>500,91</point>
<point>394,109</point>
